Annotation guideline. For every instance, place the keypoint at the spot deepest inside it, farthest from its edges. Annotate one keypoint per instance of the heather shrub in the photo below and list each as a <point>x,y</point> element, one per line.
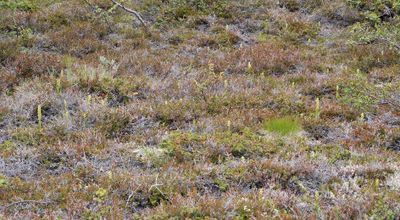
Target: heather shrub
<point>79,39</point>
<point>270,58</point>
<point>180,9</point>
<point>8,51</point>
<point>113,123</point>
<point>214,109</point>
<point>29,65</point>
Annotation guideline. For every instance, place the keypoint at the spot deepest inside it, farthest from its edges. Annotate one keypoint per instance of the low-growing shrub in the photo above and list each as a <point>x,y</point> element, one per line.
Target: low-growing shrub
<point>34,65</point>
<point>113,123</point>
<point>8,51</point>
<point>299,31</point>
<point>341,13</point>
<point>367,57</point>
<point>376,11</point>
<point>363,95</point>
<point>181,9</point>
<point>182,146</point>
<point>246,144</point>
<point>386,34</point>
<point>295,5</point>
<point>270,58</point>
<point>79,39</point>
<point>291,5</point>
<point>23,5</point>
<point>221,38</point>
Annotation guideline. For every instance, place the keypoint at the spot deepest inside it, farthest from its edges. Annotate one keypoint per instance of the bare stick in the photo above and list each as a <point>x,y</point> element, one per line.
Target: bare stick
<point>137,15</point>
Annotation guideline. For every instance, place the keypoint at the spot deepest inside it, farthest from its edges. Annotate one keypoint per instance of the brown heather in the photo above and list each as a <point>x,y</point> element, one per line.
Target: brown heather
<point>218,110</point>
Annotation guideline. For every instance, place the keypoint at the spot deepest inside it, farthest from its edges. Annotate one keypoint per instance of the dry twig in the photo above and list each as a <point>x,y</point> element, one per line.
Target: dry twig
<point>137,15</point>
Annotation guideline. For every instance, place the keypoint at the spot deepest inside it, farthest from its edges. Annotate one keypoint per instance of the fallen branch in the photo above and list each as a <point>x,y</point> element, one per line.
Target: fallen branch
<point>137,15</point>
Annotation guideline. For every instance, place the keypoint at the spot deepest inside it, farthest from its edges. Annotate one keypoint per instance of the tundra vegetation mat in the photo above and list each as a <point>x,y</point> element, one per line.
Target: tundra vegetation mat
<point>217,109</point>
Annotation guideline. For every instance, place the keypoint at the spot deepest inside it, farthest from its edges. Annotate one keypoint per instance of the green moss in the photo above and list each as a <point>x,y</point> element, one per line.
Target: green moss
<point>179,9</point>
<point>282,126</point>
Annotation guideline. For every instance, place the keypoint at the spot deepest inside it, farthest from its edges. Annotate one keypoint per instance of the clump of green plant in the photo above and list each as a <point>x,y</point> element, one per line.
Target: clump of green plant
<point>246,144</point>
<point>291,5</point>
<point>6,148</point>
<point>8,51</point>
<point>282,126</point>
<point>221,184</point>
<point>36,65</point>
<point>271,57</point>
<point>182,146</point>
<point>376,10</point>
<point>180,9</point>
<point>382,210</point>
<point>152,156</point>
<point>294,30</point>
<point>385,33</point>
<point>363,95</point>
<point>334,153</point>
<point>100,195</point>
<point>226,38</point>
<point>295,5</point>
<point>222,38</point>
<point>3,113</point>
<point>113,123</point>
<point>28,136</point>
<point>3,181</point>
<point>156,196</point>
<point>24,5</point>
